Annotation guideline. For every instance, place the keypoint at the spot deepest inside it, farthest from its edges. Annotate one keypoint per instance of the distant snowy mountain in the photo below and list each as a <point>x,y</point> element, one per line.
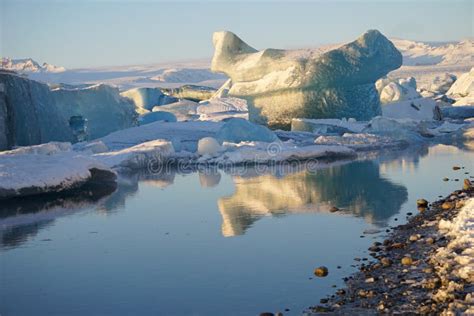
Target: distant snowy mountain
<point>426,53</point>
<point>453,57</point>
<point>28,65</point>
<point>164,75</point>
<point>187,75</point>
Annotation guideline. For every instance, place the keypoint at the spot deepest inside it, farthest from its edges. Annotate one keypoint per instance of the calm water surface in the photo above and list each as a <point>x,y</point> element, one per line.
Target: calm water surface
<point>211,242</point>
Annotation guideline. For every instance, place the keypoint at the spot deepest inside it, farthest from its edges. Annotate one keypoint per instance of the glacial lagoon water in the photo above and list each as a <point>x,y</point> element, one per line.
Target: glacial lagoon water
<point>212,242</point>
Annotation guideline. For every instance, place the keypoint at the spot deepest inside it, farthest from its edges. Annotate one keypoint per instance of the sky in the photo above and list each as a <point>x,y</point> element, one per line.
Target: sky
<point>86,33</point>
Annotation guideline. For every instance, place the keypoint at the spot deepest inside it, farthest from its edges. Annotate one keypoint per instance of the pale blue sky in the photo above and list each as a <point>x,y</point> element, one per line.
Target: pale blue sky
<point>99,33</point>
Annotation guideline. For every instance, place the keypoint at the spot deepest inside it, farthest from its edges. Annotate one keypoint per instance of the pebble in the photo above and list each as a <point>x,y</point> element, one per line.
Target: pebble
<point>321,271</point>
<point>422,202</point>
<point>467,184</point>
<point>429,240</point>
<point>333,209</point>
<point>414,237</point>
<point>386,262</point>
<point>407,261</point>
<point>369,280</point>
<point>445,179</point>
<point>447,205</point>
<point>456,167</point>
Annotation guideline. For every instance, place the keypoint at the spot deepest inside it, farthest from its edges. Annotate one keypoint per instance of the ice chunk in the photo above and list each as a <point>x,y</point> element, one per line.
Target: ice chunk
<point>152,154</point>
<point>361,141</point>
<point>263,153</point>
<point>464,85</point>
<point>457,112</point>
<point>217,105</point>
<point>238,130</point>
<point>441,84</point>
<point>467,100</point>
<point>218,109</point>
<point>419,109</point>
<point>280,85</point>
<point>48,169</point>
<point>208,146</point>
<point>186,134</point>
<point>327,126</point>
<point>398,129</point>
<point>156,116</point>
<point>191,92</point>
<point>50,148</point>
<point>94,147</point>
<point>147,98</point>
<point>397,90</point>
<point>184,110</point>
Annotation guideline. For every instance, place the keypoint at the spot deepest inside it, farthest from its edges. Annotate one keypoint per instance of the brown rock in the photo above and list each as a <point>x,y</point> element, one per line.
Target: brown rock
<point>407,261</point>
<point>447,205</point>
<point>321,271</point>
<point>422,203</point>
<point>467,184</point>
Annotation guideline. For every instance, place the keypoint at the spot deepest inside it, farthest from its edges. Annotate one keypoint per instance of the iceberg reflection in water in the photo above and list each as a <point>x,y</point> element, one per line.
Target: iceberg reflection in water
<point>357,188</point>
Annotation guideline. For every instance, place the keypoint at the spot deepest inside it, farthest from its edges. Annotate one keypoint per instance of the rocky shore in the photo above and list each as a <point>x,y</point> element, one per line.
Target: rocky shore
<point>425,266</point>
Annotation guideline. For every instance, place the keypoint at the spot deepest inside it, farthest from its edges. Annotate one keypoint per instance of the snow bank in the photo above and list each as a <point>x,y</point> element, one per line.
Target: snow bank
<point>47,169</point>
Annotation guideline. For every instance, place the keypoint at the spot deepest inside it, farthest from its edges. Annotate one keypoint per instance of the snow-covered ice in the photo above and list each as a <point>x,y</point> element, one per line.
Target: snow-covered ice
<point>419,109</point>
<point>140,156</point>
<point>48,168</point>
<point>362,141</point>
<point>237,130</point>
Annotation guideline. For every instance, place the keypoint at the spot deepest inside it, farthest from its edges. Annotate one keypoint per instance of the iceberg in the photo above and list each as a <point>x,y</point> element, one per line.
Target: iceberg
<point>280,85</point>
<point>32,113</point>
